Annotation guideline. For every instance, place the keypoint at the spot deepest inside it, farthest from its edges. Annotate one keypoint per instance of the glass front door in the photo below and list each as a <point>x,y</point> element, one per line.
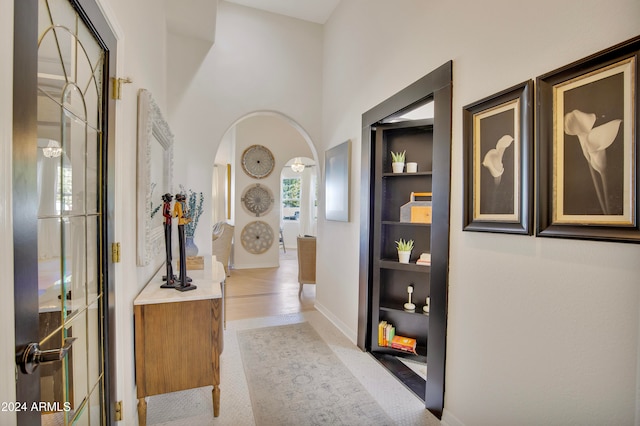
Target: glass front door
<point>70,234</point>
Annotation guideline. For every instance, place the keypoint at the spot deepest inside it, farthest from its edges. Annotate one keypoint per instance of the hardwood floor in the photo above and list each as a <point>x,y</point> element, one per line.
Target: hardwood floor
<point>253,293</point>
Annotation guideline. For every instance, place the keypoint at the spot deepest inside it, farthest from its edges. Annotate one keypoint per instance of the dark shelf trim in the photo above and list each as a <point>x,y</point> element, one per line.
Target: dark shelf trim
<point>419,356</point>
<point>404,374</point>
<point>436,85</point>
<point>394,264</point>
<point>387,309</point>
<point>399,175</point>
<point>396,223</point>
<point>425,123</point>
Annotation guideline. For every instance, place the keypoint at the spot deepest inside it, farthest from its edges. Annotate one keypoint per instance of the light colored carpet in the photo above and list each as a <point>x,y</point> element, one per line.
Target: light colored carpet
<point>295,379</point>
<point>194,408</point>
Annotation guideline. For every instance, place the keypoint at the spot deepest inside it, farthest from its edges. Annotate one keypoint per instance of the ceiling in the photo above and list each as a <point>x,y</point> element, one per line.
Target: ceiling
<point>317,11</point>
<point>197,18</point>
<point>193,18</point>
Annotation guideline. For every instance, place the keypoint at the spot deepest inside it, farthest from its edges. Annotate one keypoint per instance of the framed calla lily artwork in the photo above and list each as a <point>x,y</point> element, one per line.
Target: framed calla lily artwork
<point>498,158</point>
<point>588,147</point>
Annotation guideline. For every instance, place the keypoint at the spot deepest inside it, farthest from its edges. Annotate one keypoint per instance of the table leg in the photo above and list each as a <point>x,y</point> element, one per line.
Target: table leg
<point>216,400</point>
<point>142,412</point>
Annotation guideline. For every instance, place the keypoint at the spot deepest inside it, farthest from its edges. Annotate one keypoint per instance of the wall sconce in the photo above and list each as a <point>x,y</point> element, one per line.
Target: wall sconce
<point>297,165</point>
<point>52,149</point>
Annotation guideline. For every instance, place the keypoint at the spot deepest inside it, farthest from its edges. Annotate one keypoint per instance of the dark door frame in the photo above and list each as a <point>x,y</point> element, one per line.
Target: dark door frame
<point>438,86</point>
<point>25,82</point>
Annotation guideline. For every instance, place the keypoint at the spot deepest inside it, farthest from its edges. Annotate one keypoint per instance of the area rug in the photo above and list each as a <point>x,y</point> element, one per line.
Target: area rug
<point>295,378</point>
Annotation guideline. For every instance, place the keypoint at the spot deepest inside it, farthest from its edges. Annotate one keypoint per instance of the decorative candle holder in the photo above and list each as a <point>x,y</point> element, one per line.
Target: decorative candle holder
<point>409,307</point>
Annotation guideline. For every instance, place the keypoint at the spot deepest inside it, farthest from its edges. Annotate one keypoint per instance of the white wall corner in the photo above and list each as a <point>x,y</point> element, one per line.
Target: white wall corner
<point>448,419</point>
<point>192,18</point>
<point>351,334</point>
<point>110,17</point>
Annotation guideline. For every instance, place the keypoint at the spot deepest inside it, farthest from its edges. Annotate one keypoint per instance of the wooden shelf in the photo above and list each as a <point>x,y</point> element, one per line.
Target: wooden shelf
<point>391,174</point>
<point>394,264</point>
<point>402,311</point>
<point>419,356</point>
<point>392,191</point>
<point>397,223</point>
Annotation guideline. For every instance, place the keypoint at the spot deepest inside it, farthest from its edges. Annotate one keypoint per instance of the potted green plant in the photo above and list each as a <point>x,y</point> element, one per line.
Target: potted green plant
<point>397,161</point>
<point>404,250</point>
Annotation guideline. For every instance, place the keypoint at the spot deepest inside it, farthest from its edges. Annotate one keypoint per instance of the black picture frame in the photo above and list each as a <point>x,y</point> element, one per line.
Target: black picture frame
<point>498,162</point>
<point>587,147</point>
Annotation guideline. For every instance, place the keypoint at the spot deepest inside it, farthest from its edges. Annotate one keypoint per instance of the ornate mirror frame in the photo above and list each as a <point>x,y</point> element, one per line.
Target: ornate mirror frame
<point>155,173</point>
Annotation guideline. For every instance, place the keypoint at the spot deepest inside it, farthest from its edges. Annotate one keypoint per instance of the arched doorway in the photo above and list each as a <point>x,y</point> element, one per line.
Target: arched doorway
<point>283,139</point>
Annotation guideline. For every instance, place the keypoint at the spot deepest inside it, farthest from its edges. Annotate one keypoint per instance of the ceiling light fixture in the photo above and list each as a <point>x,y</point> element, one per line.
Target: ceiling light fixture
<point>297,165</point>
<point>52,150</point>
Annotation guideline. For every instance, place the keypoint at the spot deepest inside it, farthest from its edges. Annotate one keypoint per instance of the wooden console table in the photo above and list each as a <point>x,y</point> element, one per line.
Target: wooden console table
<point>179,336</point>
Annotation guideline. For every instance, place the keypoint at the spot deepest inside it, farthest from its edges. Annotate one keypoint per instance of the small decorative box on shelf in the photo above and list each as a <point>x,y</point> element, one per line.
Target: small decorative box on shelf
<point>416,211</point>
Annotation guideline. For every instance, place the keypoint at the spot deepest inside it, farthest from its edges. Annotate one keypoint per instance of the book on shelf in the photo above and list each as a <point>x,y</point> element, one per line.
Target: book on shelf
<point>402,343</point>
<point>381,326</point>
<point>424,259</point>
<point>386,332</point>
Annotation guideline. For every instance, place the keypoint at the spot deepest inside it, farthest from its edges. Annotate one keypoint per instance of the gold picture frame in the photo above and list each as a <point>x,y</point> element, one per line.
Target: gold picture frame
<point>588,147</point>
<point>498,159</point>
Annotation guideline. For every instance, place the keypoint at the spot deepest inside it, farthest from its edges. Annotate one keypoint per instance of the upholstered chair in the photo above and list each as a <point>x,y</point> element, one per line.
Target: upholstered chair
<point>306,261</point>
<point>222,238</point>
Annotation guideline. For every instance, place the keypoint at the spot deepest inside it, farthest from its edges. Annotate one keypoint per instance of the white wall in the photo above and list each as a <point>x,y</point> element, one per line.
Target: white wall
<point>260,62</point>
<point>141,31</point>
<point>284,142</point>
<point>7,335</point>
<point>540,331</point>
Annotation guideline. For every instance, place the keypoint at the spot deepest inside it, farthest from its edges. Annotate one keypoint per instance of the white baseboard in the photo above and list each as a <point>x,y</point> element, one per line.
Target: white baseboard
<point>449,419</point>
<point>351,335</point>
<point>255,265</point>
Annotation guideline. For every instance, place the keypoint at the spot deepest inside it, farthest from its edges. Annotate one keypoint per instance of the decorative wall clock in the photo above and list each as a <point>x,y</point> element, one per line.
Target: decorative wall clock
<point>257,237</point>
<point>257,200</point>
<point>257,161</point>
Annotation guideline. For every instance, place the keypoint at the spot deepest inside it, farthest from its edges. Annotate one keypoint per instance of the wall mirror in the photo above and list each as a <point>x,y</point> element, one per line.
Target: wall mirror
<point>155,171</point>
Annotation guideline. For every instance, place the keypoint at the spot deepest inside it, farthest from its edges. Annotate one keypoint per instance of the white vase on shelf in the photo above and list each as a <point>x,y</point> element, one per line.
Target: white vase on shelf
<point>397,167</point>
<point>403,256</point>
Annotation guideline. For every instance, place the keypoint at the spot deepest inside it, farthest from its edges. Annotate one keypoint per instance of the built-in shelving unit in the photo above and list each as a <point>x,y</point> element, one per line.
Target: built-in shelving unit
<point>391,278</point>
<point>383,280</point>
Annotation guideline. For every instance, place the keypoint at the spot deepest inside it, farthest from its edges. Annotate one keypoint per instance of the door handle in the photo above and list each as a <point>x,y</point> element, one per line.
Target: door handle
<point>34,356</point>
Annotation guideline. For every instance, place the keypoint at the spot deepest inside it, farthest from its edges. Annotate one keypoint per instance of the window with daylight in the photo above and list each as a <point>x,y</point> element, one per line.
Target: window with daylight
<point>291,199</point>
